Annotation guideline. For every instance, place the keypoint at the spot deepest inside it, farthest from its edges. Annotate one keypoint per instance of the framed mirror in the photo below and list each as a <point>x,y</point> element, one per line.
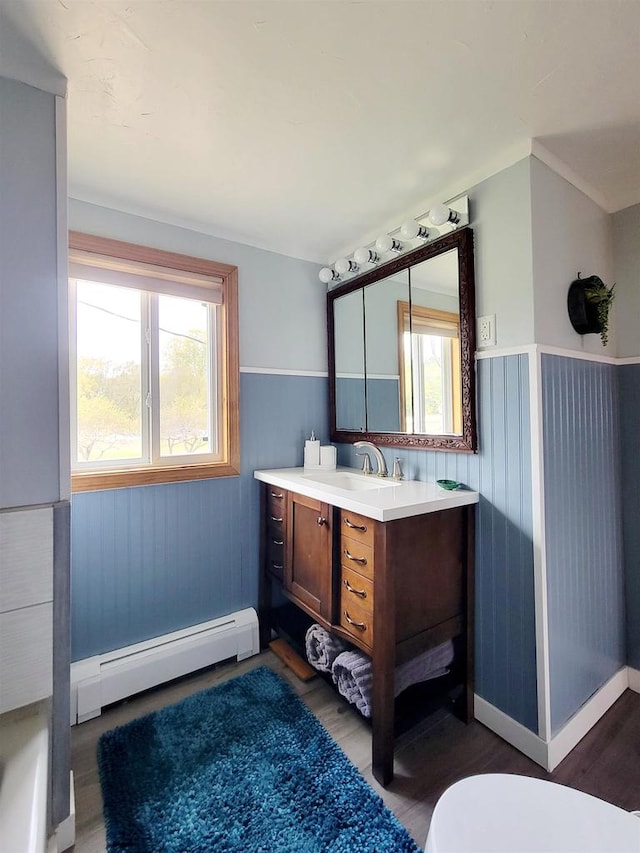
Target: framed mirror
<point>401,350</point>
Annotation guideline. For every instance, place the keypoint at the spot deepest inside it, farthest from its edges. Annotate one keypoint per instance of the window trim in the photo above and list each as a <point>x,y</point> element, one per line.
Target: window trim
<point>448,320</point>
<point>228,350</point>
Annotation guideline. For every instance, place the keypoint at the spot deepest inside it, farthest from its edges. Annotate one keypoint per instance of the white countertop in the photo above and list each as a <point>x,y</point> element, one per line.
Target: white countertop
<point>384,503</point>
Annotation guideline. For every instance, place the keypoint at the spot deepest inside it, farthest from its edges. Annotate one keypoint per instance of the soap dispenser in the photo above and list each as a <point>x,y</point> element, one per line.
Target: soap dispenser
<point>312,452</point>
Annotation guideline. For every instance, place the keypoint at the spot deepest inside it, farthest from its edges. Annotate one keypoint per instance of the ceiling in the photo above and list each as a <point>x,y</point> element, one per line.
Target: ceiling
<point>309,127</point>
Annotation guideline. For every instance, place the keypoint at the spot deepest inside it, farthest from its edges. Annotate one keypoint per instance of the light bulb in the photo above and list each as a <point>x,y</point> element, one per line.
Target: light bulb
<point>440,214</point>
<point>412,229</point>
<point>327,275</point>
<point>365,256</point>
<point>386,243</point>
<point>343,266</point>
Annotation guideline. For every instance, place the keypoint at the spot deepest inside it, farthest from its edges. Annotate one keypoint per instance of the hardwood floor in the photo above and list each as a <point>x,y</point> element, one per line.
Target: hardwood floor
<point>429,757</point>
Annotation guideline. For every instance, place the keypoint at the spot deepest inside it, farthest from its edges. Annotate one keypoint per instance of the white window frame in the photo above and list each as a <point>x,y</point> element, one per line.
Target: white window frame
<point>152,272</point>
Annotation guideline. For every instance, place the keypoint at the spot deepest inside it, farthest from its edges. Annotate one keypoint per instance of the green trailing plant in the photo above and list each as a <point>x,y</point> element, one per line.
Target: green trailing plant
<point>599,295</point>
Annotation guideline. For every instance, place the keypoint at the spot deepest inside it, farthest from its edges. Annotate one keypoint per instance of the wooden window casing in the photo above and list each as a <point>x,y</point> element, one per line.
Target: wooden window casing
<point>226,277</point>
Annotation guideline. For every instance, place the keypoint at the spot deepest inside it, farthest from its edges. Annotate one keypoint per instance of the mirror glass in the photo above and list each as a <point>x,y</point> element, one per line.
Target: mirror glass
<point>428,332</point>
<point>381,351</point>
<point>401,350</point>
<point>349,361</point>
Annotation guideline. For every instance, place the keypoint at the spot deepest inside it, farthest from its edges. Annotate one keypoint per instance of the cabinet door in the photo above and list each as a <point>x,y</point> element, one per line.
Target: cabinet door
<point>308,561</point>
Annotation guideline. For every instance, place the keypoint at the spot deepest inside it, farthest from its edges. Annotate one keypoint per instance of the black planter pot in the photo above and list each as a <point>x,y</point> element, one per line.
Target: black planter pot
<point>582,313</point>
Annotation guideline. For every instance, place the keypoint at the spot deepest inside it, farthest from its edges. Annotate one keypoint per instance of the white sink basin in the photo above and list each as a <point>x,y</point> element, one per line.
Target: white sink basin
<point>349,482</point>
<point>382,499</point>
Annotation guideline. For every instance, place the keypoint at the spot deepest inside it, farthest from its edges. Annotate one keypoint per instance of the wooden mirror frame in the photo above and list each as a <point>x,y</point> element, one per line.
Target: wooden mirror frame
<point>461,240</point>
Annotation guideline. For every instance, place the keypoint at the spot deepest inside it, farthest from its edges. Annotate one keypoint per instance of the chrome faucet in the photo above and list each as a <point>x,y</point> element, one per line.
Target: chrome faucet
<point>382,465</point>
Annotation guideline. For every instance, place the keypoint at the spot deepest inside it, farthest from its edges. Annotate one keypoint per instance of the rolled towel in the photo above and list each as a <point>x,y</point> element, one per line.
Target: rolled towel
<point>322,648</point>
<point>352,674</point>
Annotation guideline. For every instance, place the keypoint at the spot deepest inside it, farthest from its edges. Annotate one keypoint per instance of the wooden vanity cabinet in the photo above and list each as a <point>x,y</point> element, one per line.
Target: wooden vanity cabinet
<point>357,568</point>
<point>274,533</point>
<point>394,589</point>
<point>308,555</point>
<point>296,551</point>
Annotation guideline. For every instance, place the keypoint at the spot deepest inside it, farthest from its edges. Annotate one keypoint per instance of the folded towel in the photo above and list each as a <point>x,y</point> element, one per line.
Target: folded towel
<point>322,648</point>
<point>352,673</point>
<point>430,664</point>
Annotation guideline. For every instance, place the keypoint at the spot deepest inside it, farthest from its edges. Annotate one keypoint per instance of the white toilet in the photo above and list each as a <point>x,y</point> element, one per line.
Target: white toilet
<point>502,813</point>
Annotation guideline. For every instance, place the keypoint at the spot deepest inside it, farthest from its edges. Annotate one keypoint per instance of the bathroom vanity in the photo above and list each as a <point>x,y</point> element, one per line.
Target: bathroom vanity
<point>387,566</point>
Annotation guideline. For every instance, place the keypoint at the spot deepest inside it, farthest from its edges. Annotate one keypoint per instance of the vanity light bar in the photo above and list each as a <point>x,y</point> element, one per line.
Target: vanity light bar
<point>445,217</point>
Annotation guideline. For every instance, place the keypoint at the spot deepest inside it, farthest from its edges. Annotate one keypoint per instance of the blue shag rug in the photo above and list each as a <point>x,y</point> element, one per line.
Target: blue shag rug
<point>240,767</point>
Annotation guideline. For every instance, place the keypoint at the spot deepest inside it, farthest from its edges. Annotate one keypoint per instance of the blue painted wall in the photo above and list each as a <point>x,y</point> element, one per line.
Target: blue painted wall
<point>585,582</point>
<point>501,472</point>
<point>154,559</point>
<point>629,386</point>
<point>29,426</point>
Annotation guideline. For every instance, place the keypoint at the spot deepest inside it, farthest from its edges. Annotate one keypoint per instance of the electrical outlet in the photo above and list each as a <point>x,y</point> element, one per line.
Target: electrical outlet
<point>487,330</point>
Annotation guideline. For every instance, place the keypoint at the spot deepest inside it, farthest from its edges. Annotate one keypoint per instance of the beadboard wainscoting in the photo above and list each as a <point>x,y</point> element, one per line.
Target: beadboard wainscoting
<point>150,560</point>
<point>501,471</point>
<point>585,577</point>
<point>549,590</point>
<point>629,387</point>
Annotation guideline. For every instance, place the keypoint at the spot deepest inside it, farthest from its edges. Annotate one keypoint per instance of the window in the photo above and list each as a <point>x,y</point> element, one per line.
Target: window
<point>430,387</point>
<point>154,365</point>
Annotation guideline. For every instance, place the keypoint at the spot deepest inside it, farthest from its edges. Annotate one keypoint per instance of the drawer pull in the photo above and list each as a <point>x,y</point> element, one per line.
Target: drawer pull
<point>277,495</point>
<point>278,541</point>
<point>361,560</point>
<point>361,593</point>
<point>279,520</point>
<point>278,566</point>
<point>361,626</point>
<point>361,527</point>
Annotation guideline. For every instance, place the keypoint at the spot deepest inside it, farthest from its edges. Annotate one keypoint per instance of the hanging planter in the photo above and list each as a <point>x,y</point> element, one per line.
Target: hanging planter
<point>588,302</point>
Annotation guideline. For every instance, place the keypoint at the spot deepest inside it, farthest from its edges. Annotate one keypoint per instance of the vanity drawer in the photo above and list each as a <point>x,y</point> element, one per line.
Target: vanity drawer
<point>276,509</point>
<point>275,555</point>
<point>276,504</point>
<point>356,527</point>
<point>356,556</point>
<point>356,620</point>
<point>356,589</point>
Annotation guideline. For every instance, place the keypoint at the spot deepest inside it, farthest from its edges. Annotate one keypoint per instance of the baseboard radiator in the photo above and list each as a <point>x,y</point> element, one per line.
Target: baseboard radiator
<point>103,679</point>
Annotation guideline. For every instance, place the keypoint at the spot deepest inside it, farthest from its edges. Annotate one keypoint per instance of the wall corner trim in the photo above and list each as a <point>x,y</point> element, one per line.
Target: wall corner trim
<point>634,679</point>
<point>539,546</point>
<point>511,730</point>
<point>583,720</point>
<point>549,754</point>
